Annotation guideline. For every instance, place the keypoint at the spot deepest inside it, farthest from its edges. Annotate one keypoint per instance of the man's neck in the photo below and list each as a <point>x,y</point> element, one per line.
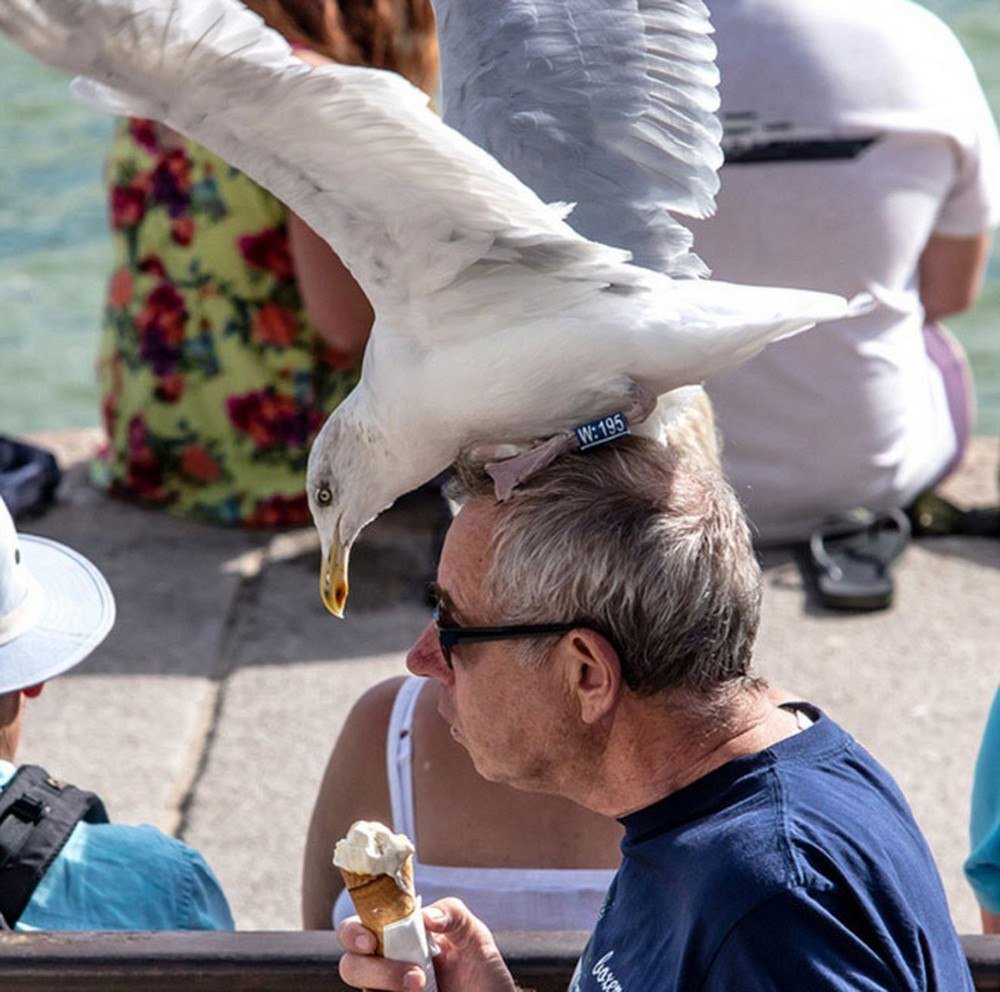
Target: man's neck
<point>657,748</point>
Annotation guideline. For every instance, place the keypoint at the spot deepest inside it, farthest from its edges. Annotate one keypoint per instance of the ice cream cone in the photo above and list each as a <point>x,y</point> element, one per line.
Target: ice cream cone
<point>381,899</point>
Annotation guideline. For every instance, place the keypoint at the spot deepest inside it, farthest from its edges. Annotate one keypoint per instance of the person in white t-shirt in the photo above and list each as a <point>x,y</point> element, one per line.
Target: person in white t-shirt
<point>860,155</point>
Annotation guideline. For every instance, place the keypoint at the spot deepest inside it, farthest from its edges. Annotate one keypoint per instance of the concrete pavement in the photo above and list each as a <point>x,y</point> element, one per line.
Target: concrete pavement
<point>211,709</point>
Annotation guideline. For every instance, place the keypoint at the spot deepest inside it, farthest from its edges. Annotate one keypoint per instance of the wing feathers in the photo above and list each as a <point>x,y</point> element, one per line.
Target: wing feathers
<point>569,95</point>
<point>406,202</point>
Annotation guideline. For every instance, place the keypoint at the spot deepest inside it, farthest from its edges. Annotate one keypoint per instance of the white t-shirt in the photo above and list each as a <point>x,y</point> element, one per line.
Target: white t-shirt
<point>884,137</point>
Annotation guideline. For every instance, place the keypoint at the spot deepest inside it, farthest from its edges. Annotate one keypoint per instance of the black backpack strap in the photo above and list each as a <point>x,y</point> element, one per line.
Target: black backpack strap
<point>37,815</point>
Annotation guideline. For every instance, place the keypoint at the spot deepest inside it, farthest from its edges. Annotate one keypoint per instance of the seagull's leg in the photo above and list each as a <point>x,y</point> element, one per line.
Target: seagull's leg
<point>508,474</point>
<point>511,472</point>
<point>642,405</point>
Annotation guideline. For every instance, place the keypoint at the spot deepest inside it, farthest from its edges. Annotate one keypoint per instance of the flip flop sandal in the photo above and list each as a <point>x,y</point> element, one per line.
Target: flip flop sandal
<point>848,559</point>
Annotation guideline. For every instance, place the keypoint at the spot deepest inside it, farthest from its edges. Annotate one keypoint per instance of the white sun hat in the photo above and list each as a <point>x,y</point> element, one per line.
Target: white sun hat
<point>55,607</point>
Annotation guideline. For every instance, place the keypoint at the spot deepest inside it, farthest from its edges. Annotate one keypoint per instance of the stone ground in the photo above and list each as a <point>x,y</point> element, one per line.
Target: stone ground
<point>211,708</point>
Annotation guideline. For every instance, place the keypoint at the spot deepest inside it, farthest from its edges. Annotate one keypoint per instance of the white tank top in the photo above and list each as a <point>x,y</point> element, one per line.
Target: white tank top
<point>504,898</point>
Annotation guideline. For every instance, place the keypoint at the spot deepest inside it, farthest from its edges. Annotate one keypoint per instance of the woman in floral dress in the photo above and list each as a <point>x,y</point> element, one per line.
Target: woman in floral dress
<point>231,330</point>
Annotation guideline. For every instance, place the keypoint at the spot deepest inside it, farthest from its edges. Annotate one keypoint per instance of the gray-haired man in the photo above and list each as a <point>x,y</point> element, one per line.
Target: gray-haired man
<point>764,849</point>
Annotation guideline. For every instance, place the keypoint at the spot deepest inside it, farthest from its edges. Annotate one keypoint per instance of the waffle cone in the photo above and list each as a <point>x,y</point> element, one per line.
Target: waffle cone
<point>379,900</point>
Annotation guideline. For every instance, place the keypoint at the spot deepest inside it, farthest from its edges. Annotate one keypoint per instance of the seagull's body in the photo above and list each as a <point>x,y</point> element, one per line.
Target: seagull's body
<point>496,321</point>
<point>599,362</point>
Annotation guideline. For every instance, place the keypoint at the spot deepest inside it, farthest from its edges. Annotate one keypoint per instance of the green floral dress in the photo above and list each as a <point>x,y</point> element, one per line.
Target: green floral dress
<point>213,383</point>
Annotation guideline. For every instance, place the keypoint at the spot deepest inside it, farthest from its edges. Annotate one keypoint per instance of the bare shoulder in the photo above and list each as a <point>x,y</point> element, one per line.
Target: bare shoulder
<point>380,696</point>
<point>358,758</point>
<point>370,715</point>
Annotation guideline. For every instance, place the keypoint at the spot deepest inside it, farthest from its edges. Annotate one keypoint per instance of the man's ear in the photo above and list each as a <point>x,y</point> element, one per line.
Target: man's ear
<point>595,673</point>
<point>34,691</point>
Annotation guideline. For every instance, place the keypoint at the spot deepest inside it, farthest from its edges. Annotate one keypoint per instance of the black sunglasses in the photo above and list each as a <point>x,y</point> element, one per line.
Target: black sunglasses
<point>449,636</point>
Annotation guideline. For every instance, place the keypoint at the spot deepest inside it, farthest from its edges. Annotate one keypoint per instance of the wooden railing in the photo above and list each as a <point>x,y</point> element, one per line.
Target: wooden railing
<point>280,962</point>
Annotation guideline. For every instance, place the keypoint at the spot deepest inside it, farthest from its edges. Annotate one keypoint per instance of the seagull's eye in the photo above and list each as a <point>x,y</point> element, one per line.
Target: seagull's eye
<point>323,496</point>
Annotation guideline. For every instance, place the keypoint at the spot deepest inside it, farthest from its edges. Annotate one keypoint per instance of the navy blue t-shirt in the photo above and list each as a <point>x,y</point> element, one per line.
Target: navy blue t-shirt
<point>800,868</point>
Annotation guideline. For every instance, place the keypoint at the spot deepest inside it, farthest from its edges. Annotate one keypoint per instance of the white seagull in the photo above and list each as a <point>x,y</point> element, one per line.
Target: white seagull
<point>496,322</point>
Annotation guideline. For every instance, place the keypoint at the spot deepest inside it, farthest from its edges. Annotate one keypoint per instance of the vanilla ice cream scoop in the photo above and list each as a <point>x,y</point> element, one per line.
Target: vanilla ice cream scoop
<point>371,848</point>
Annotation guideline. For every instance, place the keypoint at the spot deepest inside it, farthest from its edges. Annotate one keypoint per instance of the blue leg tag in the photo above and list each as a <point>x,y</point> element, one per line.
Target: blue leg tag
<point>601,431</point>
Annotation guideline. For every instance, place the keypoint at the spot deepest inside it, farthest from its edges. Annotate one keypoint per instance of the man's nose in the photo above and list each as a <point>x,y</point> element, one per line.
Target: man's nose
<point>425,657</point>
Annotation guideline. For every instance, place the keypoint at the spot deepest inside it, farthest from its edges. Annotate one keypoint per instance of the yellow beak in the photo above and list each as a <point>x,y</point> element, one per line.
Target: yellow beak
<point>333,582</point>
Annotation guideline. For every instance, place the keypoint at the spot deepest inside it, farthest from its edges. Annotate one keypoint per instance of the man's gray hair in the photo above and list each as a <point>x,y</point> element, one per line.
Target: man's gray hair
<point>638,544</point>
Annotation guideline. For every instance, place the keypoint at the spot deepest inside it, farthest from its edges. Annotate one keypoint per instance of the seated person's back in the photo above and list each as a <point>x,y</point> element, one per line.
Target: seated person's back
<point>520,860</point>
<point>110,876</point>
<point>859,147</point>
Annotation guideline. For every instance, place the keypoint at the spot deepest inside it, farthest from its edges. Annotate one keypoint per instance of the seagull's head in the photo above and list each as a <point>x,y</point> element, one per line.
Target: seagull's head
<point>347,487</point>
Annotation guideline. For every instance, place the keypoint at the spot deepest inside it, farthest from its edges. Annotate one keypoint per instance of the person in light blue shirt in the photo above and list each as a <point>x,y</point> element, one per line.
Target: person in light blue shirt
<point>982,868</point>
<point>55,608</point>
<point>110,876</point>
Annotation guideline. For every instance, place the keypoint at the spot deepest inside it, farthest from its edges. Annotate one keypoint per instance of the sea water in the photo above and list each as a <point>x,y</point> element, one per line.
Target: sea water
<point>54,254</point>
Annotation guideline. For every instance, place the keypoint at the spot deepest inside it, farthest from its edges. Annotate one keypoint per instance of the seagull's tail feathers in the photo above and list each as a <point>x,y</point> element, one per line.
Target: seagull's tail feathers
<point>724,324</point>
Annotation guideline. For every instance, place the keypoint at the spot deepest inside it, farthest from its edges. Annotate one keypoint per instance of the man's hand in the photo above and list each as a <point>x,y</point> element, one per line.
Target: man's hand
<point>468,960</point>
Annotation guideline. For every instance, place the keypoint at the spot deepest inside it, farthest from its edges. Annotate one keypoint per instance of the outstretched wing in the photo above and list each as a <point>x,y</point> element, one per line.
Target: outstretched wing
<point>608,103</point>
<point>411,206</point>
